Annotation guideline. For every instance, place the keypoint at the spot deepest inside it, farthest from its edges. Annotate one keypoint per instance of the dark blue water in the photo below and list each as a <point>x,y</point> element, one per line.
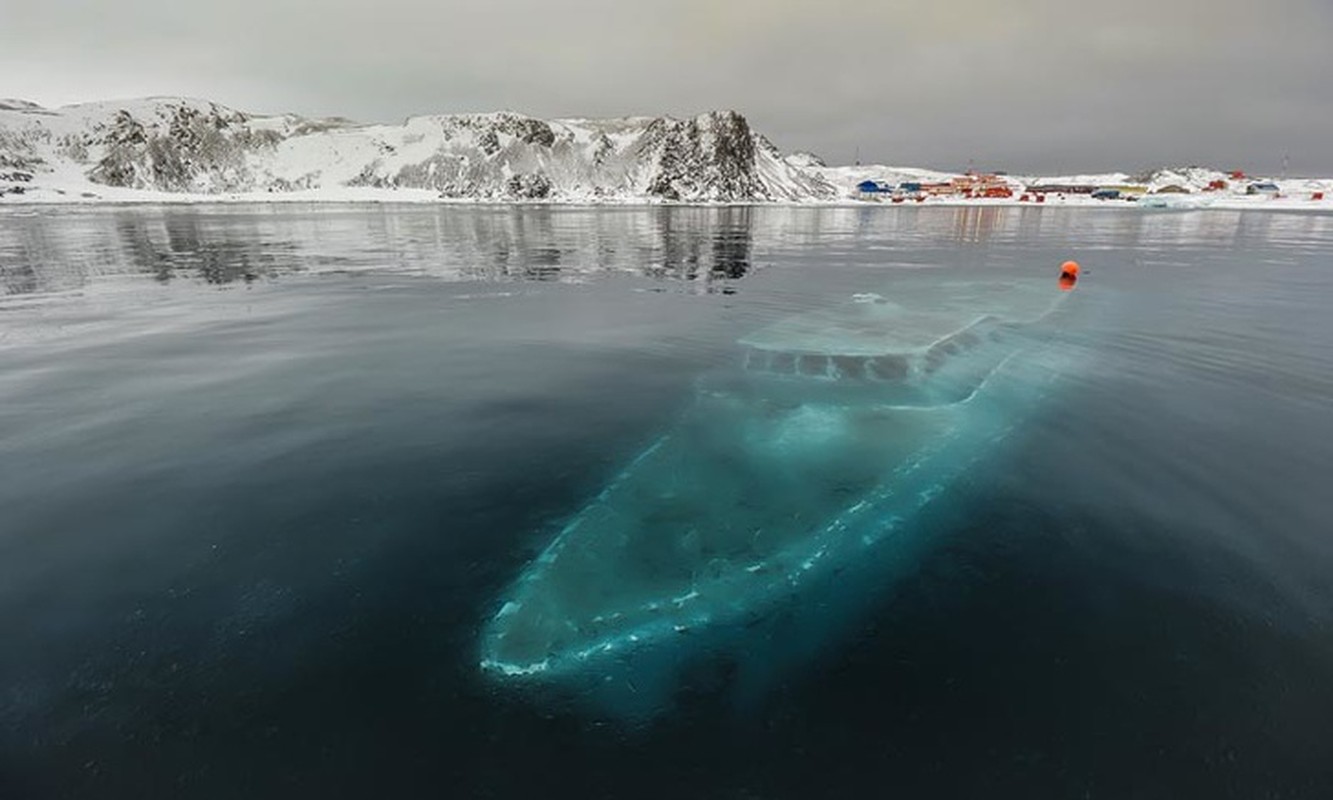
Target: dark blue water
<point>265,472</point>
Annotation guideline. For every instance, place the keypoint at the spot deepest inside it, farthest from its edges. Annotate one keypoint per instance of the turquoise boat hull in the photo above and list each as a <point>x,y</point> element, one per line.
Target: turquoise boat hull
<point>786,497</point>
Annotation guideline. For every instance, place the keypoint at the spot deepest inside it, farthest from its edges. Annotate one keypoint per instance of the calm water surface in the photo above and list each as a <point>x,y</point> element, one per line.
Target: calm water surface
<point>264,472</point>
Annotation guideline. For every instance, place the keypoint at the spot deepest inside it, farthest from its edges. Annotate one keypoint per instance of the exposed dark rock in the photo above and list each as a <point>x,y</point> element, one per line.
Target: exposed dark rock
<point>711,157</point>
<point>529,187</point>
<point>370,176</point>
<point>602,148</point>
<point>17,151</point>
<point>489,143</point>
<point>196,149</point>
<point>528,130</point>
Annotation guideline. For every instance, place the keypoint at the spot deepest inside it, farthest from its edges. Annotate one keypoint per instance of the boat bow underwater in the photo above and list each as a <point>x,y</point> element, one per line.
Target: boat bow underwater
<point>789,490</point>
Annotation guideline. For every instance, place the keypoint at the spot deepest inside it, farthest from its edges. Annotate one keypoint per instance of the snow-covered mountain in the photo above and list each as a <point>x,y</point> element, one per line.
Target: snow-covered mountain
<point>160,149</point>
<point>121,150</point>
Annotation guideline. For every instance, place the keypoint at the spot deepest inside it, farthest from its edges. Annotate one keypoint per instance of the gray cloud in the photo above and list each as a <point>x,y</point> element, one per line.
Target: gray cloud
<point>1024,85</point>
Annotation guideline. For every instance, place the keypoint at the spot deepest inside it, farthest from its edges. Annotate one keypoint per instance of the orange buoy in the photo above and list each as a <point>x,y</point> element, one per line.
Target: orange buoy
<point>1068,275</point>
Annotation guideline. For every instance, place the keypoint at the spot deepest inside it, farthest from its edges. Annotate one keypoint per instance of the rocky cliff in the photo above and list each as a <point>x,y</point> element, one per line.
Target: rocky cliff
<point>189,147</point>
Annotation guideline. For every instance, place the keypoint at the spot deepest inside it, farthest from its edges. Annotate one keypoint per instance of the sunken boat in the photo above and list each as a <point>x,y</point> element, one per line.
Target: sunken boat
<point>790,489</point>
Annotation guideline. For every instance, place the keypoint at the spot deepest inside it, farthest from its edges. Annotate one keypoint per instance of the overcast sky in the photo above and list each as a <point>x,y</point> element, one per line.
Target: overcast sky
<point>1027,85</point>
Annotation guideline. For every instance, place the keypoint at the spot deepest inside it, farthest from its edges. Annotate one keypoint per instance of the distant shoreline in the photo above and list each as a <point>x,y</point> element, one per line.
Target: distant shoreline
<point>170,151</point>
<point>396,198</point>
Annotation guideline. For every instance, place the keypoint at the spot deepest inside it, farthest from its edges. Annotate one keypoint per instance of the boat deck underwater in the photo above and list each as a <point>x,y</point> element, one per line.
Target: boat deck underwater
<point>841,425</point>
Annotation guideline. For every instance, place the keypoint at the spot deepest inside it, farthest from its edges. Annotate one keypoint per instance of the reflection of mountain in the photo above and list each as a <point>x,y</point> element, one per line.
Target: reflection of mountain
<point>703,246</point>
<point>723,255</point>
<point>47,253</point>
<point>187,248</point>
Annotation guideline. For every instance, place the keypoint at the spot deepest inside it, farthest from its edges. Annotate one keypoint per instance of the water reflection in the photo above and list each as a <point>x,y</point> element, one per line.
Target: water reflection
<point>63,250</point>
<point>54,250</point>
<point>187,248</point>
<point>978,223</point>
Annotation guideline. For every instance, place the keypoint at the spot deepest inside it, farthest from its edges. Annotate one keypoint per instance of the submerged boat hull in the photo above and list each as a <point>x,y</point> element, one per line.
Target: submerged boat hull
<point>777,496</point>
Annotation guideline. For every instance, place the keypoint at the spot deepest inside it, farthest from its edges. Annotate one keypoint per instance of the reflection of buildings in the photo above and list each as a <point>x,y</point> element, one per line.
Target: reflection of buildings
<point>677,249</point>
<point>977,223</point>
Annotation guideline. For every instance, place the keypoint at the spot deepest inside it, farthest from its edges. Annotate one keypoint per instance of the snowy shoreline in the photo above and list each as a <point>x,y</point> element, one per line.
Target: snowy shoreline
<point>419,198</point>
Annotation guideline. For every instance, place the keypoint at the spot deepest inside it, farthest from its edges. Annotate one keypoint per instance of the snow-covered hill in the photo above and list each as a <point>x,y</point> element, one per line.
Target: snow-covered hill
<point>163,149</point>
<point>185,147</point>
